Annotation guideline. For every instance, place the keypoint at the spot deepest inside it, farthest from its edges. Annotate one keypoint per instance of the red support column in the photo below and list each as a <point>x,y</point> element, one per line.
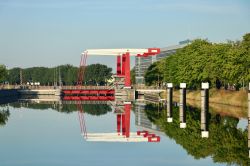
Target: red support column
<point>123,124</point>
<point>118,116</point>
<point>123,64</point>
<point>118,67</point>
<point>127,119</point>
<point>127,70</point>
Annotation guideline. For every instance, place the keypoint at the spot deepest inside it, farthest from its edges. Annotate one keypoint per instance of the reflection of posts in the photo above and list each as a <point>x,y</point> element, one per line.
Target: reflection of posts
<point>204,109</point>
<point>169,102</point>
<point>249,119</point>
<point>126,119</point>
<point>118,116</point>
<point>127,107</point>
<point>183,105</point>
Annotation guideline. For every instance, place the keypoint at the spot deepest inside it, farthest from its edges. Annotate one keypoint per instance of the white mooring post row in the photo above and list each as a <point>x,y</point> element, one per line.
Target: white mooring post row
<point>249,120</point>
<point>182,108</point>
<point>204,109</point>
<point>169,102</point>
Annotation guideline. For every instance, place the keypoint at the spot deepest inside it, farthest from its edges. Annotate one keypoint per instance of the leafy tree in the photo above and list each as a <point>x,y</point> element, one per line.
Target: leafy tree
<point>94,74</point>
<point>97,74</point>
<point>153,75</point>
<point>203,61</point>
<point>3,73</point>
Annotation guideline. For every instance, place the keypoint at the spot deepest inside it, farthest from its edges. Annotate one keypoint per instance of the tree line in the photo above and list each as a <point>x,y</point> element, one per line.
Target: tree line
<point>95,74</point>
<point>220,64</point>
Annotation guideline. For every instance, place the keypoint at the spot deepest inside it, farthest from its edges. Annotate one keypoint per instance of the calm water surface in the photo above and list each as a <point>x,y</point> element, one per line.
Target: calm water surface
<point>50,134</point>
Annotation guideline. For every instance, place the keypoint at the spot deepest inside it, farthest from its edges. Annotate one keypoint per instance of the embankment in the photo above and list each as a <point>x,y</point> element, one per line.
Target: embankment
<point>233,98</point>
<point>233,103</point>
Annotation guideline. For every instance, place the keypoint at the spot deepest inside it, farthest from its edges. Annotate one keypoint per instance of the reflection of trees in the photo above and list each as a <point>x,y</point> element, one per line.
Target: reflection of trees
<point>4,115</point>
<point>93,109</point>
<point>226,143</point>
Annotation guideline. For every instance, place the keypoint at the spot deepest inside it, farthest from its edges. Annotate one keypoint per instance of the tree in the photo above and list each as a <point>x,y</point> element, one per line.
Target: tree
<point>97,74</point>
<point>3,73</point>
<point>153,75</point>
<point>94,74</point>
<point>202,61</point>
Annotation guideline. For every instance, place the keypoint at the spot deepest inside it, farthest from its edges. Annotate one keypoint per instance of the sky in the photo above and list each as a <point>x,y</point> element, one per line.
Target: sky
<point>54,32</point>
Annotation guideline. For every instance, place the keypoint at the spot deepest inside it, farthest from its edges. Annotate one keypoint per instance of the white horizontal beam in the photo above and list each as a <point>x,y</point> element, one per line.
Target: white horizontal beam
<point>119,140</point>
<point>114,137</point>
<point>119,51</point>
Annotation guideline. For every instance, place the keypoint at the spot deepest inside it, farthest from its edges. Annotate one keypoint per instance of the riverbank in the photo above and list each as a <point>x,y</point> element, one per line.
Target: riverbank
<point>231,103</point>
<point>16,92</point>
<point>232,98</point>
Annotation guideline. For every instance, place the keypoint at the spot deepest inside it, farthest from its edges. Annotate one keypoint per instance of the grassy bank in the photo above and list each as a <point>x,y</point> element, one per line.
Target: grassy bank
<point>233,103</point>
<point>232,98</point>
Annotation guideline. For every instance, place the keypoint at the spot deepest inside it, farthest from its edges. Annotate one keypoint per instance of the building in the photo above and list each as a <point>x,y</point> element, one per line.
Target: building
<point>142,63</point>
<point>141,120</point>
<point>141,66</point>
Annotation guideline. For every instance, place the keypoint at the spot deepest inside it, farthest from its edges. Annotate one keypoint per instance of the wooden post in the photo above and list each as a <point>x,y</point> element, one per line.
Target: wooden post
<point>204,109</point>
<point>182,108</point>
<point>169,102</point>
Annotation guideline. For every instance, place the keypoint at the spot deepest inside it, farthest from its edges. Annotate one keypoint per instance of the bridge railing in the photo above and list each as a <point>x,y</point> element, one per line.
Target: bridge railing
<point>54,87</point>
<point>86,87</point>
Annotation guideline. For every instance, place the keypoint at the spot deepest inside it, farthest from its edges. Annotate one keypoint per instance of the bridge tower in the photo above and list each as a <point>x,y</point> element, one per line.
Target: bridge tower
<point>123,60</point>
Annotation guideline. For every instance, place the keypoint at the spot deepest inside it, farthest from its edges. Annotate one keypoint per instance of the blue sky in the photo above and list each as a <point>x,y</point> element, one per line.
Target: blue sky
<point>54,32</point>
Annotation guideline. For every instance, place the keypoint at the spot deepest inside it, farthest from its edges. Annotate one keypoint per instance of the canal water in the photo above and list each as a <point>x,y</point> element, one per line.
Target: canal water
<point>34,133</point>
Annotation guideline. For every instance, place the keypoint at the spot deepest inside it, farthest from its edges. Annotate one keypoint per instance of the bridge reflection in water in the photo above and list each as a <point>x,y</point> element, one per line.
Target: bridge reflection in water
<point>150,121</point>
<point>122,109</point>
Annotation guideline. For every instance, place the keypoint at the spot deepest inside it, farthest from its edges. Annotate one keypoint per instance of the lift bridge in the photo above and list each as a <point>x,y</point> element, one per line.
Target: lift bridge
<point>122,81</point>
<point>112,94</point>
<point>122,77</point>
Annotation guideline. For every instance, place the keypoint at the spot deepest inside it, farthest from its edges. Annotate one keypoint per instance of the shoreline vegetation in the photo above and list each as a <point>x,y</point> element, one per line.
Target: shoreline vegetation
<point>222,65</point>
<point>225,66</point>
<point>225,102</point>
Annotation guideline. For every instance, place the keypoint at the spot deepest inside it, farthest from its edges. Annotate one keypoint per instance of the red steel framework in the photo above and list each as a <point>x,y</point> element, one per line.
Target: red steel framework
<point>82,69</point>
<point>82,120</point>
<point>123,60</point>
<point>123,121</point>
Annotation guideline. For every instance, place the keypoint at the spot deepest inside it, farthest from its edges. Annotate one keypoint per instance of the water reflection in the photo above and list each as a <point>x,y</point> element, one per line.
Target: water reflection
<point>4,114</point>
<point>226,143</point>
<point>123,132</point>
<point>121,109</point>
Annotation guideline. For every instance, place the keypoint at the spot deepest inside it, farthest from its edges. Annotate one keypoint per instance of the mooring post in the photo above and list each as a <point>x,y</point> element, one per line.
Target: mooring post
<point>169,102</point>
<point>204,109</point>
<point>182,108</point>
<point>249,120</point>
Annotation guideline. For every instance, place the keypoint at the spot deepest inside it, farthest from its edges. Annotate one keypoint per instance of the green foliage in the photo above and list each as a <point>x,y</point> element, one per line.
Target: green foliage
<point>94,74</point>
<point>3,73</point>
<point>154,75</point>
<point>202,61</point>
<point>4,115</point>
<point>97,74</point>
<point>132,76</point>
<point>226,143</point>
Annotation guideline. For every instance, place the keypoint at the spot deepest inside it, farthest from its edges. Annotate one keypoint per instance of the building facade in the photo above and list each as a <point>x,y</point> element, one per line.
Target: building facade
<point>143,63</point>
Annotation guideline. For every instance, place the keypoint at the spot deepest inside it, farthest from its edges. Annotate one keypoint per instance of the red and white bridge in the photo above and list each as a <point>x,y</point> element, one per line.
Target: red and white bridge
<point>123,60</point>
